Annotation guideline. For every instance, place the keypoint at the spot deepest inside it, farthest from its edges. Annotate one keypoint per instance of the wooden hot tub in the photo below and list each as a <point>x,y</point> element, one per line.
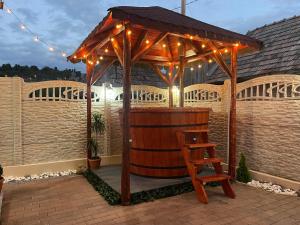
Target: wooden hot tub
<point>154,149</point>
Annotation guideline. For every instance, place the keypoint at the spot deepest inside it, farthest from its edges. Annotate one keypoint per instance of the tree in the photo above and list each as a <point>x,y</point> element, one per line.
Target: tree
<point>243,174</point>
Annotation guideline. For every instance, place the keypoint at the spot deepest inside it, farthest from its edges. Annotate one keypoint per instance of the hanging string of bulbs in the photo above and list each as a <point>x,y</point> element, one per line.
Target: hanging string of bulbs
<point>35,37</point>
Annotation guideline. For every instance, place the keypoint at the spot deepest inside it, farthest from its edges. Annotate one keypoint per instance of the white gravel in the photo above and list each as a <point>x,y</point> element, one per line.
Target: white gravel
<point>44,175</point>
<point>268,186</point>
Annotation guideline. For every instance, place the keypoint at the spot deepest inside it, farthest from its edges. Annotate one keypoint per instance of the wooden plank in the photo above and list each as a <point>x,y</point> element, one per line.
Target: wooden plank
<point>232,117</point>
<point>146,48</point>
<point>125,179</point>
<point>104,67</point>
<point>168,45</point>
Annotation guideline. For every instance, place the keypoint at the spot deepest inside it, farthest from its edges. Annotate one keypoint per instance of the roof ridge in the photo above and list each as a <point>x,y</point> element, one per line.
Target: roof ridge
<point>273,23</point>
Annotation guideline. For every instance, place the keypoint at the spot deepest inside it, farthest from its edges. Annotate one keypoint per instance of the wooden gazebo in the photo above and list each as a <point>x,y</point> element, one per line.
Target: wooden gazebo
<point>158,36</point>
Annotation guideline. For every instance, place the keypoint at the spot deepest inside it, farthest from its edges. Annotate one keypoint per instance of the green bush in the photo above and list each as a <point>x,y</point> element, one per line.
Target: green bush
<point>243,174</point>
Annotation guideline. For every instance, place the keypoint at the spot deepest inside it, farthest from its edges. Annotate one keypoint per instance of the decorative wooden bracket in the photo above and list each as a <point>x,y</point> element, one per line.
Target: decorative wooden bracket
<point>104,67</point>
<point>218,58</point>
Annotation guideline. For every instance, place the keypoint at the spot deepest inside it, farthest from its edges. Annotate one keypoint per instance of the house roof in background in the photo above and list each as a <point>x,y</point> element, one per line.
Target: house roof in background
<point>281,52</point>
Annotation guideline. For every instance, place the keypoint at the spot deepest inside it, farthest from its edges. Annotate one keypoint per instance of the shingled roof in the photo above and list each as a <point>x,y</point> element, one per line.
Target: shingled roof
<point>281,52</point>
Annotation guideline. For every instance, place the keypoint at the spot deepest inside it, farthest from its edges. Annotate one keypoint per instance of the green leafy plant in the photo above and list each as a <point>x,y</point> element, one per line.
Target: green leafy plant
<point>94,148</point>
<point>1,170</point>
<point>243,174</point>
<point>98,124</point>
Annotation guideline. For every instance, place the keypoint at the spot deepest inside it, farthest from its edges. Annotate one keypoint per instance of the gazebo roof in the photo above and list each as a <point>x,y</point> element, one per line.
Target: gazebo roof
<point>156,36</point>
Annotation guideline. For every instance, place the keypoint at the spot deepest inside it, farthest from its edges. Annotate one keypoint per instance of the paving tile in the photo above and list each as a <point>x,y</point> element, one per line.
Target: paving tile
<point>71,200</point>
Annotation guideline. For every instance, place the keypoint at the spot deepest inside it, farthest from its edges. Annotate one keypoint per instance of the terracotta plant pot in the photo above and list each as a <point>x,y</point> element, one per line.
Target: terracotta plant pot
<point>94,163</point>
<point>1,183</point>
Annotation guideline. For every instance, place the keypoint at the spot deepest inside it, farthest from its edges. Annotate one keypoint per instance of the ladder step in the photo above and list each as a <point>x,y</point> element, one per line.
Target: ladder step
<point>196,131</point>
<point>200,145</point>
<point>212,178</point>
<point>206,161</point>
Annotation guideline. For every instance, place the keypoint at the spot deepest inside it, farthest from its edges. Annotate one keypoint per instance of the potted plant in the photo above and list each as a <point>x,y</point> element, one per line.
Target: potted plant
<point>98,127</point>
<point>1,178</point>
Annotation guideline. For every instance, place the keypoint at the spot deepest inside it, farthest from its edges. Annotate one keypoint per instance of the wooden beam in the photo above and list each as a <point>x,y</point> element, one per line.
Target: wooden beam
<point>103,68</point>
<point>232,118</point>
<point>146,48</point>
<point>139,42</point>
<point>118,49</point>
<point>89,70</point>
<point>171,68</point>
<point>218,58</point>
<point>160,74</point>
<point>181,74</point>
<point>125,180</point>
<point>175,77</point>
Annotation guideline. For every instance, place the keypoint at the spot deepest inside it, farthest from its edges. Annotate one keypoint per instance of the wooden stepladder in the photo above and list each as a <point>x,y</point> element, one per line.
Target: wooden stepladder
<point>191,142</point>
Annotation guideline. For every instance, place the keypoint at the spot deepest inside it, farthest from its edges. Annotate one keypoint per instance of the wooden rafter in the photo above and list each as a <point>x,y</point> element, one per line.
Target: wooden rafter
<point>175,76</point>
<point>146,48</point>
<point>218,58</point>
<point>103,68</point>
<point>168,45</point>
<point>139,42</point>
<point>118,50</point>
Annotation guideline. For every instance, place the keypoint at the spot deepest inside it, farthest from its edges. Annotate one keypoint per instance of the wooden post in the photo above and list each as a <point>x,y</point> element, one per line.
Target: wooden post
<point>171,103</point>
<point>232,118</point>
<point>181,76</point>
<point>89,69</point>
<point>125,180</point>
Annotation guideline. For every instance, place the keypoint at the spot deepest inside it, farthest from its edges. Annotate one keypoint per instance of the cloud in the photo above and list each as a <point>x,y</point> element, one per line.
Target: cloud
<point>29,15</point>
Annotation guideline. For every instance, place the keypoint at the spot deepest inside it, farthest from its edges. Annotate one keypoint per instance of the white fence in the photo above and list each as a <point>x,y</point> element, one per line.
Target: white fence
<point>46,121</point>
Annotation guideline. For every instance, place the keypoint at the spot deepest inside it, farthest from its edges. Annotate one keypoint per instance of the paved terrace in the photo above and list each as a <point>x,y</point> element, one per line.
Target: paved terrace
<point>71,200</point>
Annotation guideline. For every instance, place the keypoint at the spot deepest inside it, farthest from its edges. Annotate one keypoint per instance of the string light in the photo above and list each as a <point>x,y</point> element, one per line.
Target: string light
<point>118,26</point>
<point>106,50</point>
<point>35,36</point>
<point>97,62</point>
<point>90,62</point>
<point>177,67</point>
<point>178,43</point>
<point>203,46</point>
<point>236,44</point>
<point>191,37</point>
<point>112,39</point>
<point>215,50</point>
<point>101,57</point>
<point>164,45</point>
<point>129,32</point>
<point>8,11</point>
<point>199,66</point>
<point>75,57</point>
<point>225,50</point>
<point>22,26</point>
<point>210,61</point>
<point>147,41</point>
<point>192,68</point>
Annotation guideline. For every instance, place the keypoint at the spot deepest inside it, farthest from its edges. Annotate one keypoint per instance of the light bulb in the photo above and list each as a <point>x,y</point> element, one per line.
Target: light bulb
<point>51,49</point>
<point>210,60</point>
<point>63,54</point>
<point>164,45</point>
<point>226,50</point>
<point>203,45</point>
<point>22,26</point>
<point>106,50</point>
<point>118,26</point>
<point>192,68</point>
<point>147,41</point>
<point>129,32</point>
<point>178,43</point>
<point>199,66</point>
<point>101,57</point>
<point>8,11</point>
<point>36,38</point>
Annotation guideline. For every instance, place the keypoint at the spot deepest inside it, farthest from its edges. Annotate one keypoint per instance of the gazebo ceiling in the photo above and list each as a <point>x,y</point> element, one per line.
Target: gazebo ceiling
<point>157,35</point>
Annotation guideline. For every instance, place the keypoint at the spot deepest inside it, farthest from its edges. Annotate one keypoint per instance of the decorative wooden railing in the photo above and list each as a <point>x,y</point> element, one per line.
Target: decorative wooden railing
<point>143,94</point>
<point>270,88</point>
<point>203,93</point>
